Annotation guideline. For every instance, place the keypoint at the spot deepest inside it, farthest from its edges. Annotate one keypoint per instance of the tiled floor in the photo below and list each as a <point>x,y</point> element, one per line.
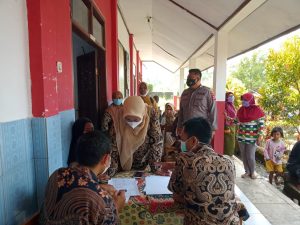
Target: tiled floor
<point>265,203</point>
<point>256,218</point>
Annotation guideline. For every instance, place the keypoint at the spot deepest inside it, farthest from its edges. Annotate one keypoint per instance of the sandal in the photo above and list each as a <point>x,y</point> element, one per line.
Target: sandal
<point>245,175</point>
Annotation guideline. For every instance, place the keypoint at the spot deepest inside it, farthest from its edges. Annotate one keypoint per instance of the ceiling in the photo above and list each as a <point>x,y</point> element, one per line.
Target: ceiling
<point>170,32</point>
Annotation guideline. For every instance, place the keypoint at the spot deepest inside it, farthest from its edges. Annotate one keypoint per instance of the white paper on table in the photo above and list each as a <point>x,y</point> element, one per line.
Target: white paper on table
<point>157,185</point>
<point>128,184</point>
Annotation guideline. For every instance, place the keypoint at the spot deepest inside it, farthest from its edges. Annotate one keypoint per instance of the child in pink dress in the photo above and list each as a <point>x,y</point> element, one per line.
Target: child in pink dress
<point>273,152</point>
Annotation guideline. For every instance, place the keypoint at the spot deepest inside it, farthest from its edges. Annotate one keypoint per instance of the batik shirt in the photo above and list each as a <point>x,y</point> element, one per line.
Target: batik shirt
<point>206,182</point>
<point>249,131</point>
<point>74,197</point>
<point>148,153</point>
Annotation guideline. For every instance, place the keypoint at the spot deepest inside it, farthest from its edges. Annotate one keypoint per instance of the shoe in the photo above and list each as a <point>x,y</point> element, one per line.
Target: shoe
<point>245,175</point>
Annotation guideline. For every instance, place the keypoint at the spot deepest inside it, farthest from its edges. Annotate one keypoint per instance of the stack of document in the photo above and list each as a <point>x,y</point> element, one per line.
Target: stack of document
<point>128,184</point>
<point>157,185</point>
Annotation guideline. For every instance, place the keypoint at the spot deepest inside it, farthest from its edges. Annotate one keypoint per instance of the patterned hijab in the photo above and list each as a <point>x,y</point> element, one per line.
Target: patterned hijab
<point>253,112</point>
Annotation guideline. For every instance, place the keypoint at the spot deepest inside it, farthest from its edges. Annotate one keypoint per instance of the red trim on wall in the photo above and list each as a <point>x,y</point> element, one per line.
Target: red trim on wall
<point>114,45</point>
<point>219,135</point>
<point>109,12</point>
<point>49,31</point>
<point>138,70</point>
<point>131,64</point>
<point>141,69</point>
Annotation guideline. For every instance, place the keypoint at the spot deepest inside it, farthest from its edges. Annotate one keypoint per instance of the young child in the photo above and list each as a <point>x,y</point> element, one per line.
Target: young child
<point>273,152</point>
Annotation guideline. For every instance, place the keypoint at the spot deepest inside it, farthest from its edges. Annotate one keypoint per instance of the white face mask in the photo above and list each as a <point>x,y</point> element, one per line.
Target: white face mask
<point>134,124</point>
<point>106,168</point>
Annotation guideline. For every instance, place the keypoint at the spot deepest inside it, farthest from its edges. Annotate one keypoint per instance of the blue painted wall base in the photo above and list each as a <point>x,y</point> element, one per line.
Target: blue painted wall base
<point>30,150</point>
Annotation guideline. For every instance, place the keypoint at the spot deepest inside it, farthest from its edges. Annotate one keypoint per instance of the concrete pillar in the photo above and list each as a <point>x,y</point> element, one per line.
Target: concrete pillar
<point>181,81</point>
<point>221,46</point>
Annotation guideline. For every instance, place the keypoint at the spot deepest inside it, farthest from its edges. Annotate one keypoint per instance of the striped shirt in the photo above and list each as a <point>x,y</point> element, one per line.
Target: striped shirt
<point>249,131</point>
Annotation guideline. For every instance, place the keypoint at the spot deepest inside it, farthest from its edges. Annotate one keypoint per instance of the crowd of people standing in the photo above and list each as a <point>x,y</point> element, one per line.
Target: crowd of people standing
<point>135,135</point>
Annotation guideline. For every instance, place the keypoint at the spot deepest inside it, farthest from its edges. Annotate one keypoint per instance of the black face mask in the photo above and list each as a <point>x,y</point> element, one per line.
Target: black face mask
<point>191,82</point>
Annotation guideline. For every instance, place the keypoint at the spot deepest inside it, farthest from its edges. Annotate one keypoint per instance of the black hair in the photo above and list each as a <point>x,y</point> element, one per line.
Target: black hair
<point>77,131</point>
<point>196,71</point>
<point>200,128</point>
<point>91,147</point>
<point>277,129</point>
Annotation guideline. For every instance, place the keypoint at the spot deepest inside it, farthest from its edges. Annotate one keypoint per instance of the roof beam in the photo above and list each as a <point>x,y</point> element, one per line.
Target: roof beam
<point>239,16</point>
<point>193,14</point>
<point>242,14</point>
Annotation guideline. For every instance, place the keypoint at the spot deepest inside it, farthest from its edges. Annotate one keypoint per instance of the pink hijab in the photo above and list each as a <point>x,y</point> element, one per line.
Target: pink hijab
<point>253,112</point>
<point>229,107</point>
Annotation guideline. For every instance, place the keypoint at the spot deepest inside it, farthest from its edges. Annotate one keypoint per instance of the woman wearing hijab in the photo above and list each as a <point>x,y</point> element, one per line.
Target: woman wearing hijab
<point>81,126</point>
<point>251,124</point>
<point>168,117</point>
<point>136,136</point>
<point>229,131</point>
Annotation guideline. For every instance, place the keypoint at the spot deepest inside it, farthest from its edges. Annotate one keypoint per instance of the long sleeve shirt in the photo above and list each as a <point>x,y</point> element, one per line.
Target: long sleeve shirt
<point>197,103</point>
<point>249,131</point>
<point>147,154</point>
<point>274,151</point>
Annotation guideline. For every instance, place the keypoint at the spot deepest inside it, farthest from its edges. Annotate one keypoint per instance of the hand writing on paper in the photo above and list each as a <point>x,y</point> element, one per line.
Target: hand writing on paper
<point>119,199</point>
<point>109,188</point>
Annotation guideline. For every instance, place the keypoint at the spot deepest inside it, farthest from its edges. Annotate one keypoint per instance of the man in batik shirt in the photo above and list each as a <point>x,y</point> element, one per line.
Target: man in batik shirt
<point>74,195</point>
<point>203,181</point>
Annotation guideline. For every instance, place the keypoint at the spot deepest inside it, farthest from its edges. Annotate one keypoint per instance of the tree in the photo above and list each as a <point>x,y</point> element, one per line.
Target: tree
<point>281,90</point>
<point>251,71</point>
<point>150,87</point>
<point>237,87</point>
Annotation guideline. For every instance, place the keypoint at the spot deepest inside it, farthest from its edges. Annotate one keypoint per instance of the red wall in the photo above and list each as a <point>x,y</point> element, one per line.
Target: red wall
<point>108,10</point>
<point>218,140</point>
<point>131,64</point>
<point>50,40</point>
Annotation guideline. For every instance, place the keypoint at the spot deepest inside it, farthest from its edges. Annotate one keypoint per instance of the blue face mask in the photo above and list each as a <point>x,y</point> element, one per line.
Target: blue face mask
<point>230,99</point>
<point>245,103</point>
<point>117,101</point>
<point>183,146</point>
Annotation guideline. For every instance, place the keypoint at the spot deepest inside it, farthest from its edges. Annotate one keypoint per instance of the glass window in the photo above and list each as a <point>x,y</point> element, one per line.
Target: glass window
<point>80,14</point>
<point>98,31</point>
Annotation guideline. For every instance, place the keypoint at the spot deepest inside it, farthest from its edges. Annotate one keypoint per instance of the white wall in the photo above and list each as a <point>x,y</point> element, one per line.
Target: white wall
<point>15,92</point>
<point>123,35</point>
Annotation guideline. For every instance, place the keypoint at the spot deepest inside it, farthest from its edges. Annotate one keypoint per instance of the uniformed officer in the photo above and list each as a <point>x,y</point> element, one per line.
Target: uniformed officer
<point>197,101</point>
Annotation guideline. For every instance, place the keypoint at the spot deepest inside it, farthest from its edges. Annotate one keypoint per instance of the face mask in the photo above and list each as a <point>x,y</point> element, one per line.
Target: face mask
<point>190,82</point>
<point>134,124</point>
<point>106,168</point>
<point>245,103</point>
<point>118,101</point>
<point>183,146</point>
<point>230,99</point>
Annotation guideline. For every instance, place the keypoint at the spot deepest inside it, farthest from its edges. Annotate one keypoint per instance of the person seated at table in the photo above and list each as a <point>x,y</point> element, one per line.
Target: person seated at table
<point>136,136</point>
<point>202,179</point>
<point>293,165</point>
<point>81,126</point>
<point>73,194</point>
